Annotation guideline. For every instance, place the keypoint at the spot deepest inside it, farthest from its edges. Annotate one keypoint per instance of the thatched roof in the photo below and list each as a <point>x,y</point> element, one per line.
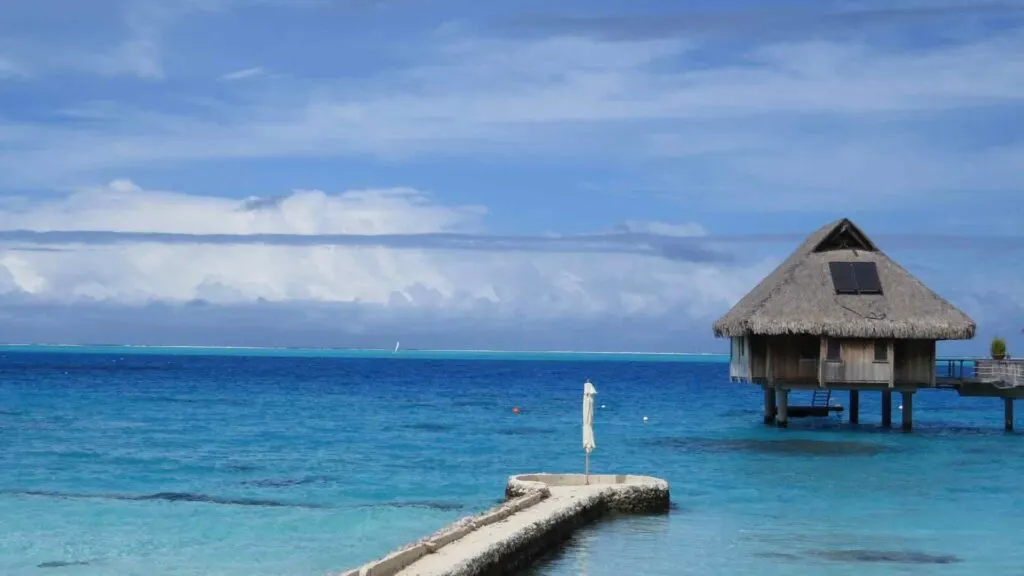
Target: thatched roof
<point>798,297</point>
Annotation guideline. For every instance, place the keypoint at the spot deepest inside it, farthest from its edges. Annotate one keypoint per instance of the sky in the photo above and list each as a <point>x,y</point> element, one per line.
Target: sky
<point>599,175</point>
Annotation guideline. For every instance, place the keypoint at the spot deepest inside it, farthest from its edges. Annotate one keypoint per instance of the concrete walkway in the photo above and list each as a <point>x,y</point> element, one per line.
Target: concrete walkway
<point>460,556</point>
<point>542,511</point>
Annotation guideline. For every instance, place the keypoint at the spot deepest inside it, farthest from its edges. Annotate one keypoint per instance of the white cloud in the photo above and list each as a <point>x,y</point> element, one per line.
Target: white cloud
<point>9,68</point>
<point>664,229</point>
<point>589,97</point>
<point>123,38</point>
<point>245,73</point>
<point>122,206</point>
<point>140,52</point>
<point>470,283</point>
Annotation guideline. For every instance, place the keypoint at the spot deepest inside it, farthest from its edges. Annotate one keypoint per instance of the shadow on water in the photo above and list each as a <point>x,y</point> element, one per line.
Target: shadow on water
<point>428,427</point>
<point>62,563</point>
<point>288,482</point>
<point>786,556</point>
<point>439,505</point>
<point>163,496</point>
<point>864,556</point>
<point>885,556</point>
<point>175,400</point>
<point>793,447</point>
<point>241,467</point>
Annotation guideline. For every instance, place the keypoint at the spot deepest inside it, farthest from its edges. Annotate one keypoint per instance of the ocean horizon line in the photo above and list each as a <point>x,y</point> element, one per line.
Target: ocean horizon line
<point>23,346</point>
<point>407,353</point>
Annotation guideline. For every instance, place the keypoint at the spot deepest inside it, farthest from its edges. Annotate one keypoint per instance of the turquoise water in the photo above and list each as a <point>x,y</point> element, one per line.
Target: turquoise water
<point>188,461</point>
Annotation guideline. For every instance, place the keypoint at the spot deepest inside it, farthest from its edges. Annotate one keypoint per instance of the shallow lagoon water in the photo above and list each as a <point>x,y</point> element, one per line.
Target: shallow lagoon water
<point>204,462</point>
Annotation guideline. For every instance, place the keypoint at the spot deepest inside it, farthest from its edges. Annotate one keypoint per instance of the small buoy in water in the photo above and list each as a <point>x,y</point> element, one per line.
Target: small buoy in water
<point>900,407</point>
<point>645,419</point>
<point>515,409</point>
<point>602,405</point>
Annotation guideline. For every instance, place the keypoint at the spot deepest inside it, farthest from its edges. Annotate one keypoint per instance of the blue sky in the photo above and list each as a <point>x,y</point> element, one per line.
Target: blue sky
<point>601,175</point>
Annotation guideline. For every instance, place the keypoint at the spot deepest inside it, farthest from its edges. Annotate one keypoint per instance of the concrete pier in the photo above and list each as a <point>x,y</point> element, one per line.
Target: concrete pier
<point>540,512</point>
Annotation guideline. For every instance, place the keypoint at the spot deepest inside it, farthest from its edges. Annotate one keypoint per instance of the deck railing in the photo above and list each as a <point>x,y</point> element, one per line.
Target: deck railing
<point>1009,373</point>
<point>948,372</point>
<point>955,368</point>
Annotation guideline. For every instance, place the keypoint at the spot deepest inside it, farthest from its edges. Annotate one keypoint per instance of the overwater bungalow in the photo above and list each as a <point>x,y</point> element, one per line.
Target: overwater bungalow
<point>838,314</point>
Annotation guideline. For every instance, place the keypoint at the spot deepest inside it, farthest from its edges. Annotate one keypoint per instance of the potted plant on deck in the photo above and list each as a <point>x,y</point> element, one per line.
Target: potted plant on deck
<point>998,348</point>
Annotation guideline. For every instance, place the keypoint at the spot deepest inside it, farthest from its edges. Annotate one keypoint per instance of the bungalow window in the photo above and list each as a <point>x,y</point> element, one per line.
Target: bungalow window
<point>810,348</point>
<point>881,351</point>
<point>832,352</point>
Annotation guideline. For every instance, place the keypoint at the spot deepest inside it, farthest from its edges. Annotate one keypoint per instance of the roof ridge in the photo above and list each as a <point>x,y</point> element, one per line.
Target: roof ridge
<point>791,263</point>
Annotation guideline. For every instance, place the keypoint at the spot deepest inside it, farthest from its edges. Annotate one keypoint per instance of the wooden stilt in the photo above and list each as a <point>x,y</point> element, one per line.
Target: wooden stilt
<point>769,404</point>
<point>886,409</point>
<point>854,406</point>
<point>1008,414</point>
<point>908,411</point>
<point>783,398</point>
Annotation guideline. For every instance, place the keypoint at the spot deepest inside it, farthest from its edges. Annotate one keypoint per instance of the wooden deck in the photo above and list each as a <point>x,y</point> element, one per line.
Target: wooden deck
<point>813,411</point>
<point>981,377</point>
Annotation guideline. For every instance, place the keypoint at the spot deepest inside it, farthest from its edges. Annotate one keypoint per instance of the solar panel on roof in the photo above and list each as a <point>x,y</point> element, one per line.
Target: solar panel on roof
<point>842,277</point>
<point>866,275</point>
<point>855,277</point>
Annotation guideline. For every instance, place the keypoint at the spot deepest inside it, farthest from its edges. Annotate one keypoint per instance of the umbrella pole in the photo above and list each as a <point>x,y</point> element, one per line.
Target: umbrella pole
<point>586,469</point>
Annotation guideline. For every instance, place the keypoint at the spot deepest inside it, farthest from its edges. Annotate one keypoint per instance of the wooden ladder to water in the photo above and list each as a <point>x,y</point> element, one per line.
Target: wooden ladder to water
<point>821,398</point>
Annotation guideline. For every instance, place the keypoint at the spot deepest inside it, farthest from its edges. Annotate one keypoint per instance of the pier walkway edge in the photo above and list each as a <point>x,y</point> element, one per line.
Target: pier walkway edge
<point>540,512</point>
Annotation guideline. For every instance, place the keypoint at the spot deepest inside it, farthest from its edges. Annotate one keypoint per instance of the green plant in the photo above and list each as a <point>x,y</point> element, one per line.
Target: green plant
<point>998,347</point>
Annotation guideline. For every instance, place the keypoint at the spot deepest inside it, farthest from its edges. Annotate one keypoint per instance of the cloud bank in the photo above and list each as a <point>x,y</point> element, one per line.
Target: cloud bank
<point>120,263</point>
<point>390,281</point>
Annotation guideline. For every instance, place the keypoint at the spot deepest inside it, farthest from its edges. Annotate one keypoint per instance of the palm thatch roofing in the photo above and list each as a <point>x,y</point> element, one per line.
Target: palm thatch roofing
<point>798,297</point>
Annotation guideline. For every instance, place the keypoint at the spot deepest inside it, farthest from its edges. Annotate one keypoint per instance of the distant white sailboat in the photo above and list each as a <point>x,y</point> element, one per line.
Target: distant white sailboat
<point>397,343</point>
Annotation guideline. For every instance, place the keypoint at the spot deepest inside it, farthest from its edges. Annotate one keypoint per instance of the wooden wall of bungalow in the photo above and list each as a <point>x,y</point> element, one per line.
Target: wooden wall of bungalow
<point>795,359</point>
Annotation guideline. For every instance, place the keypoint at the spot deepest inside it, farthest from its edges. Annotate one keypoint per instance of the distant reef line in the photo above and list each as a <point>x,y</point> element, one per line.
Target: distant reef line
<point>143,348</point>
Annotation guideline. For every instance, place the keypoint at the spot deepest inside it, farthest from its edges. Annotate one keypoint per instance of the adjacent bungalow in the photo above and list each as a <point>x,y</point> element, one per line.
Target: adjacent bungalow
<point>838,314</point>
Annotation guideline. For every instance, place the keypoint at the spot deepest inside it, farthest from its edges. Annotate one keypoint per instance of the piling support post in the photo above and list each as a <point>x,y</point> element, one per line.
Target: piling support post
<point>908,411</point>
<point>770,408</point>
<point>854,406</point>
<point>886,409</point>
<point>783,398</point>
<point>1008,414</point>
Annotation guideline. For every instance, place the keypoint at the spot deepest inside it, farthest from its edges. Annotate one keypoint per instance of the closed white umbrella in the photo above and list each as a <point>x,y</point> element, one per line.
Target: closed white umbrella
<point>588,424</point>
